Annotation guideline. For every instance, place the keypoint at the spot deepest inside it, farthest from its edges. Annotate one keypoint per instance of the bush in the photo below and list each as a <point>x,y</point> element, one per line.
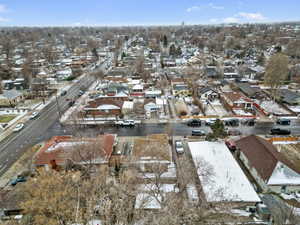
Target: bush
<point>70,78</point>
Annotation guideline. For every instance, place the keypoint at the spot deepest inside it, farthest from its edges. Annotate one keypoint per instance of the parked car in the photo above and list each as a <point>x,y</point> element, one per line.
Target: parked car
<point>179,147</point>
<point>34,115</point>
<point>18,180</point>
<point>283,121</point>
<point>194,123</point>
<point>80,93</point>
<point>198,133</point>
<point>71,103</point>
<point>125,123</point>
<point>209,122</point>
<point>230,145</point>
<point>63,93</point>
<point>248,122</point>
<point>19,127</point>
<point>280,131</point>
<point>231,122</point>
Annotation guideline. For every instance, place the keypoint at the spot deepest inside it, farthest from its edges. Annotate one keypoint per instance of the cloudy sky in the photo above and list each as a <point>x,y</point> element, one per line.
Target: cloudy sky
<point>144,12</point>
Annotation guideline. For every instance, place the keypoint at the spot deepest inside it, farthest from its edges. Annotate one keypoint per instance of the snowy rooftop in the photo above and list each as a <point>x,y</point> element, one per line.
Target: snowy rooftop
<point>284,175</point>
<point>228,182</point>
<point>108,107</point>
<point>65,145</point>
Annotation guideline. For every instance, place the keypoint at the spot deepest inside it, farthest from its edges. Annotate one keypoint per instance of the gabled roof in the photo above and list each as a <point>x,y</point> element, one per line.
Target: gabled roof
<point>289,96</point>
<point>79,150</point>
<point>262,155</point>
<point>236,97</point>
<point>203,90</point>
<point>248,90</point>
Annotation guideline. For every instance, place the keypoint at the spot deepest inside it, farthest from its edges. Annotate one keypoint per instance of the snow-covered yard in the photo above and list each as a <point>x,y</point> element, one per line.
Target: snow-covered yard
<point>241,112</point>
<point>272,107</point>
<point>215,108</point>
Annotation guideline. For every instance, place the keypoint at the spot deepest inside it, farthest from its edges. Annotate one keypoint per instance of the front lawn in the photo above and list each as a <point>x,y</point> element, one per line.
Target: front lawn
<point>6,118</point>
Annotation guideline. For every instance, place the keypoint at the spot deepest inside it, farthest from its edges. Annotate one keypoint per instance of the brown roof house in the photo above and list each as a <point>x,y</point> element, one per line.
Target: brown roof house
<point>61,151</point>
<point>103,107</point>
<point>271,169</point>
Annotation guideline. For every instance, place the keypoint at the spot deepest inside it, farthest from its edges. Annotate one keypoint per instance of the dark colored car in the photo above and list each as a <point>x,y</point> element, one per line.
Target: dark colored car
<point>194,123</point>
<point>63,93</point>
<point>18,180</point>
<point>283,121</point>
<point>280,131</point>
<point>198,133</point>
<point>248,122</point>
<point>231,122</point>
<point>71,103</point>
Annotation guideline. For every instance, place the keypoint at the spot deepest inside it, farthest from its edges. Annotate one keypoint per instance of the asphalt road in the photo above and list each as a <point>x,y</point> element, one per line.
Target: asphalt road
<point>176,129</point>
<point>47,125</point>
<point>36,130</point>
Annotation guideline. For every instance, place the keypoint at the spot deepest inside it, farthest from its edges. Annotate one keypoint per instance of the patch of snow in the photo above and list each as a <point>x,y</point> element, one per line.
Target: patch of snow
<point>65,145</point>
<point>146,201</point>
<point>192,193</point>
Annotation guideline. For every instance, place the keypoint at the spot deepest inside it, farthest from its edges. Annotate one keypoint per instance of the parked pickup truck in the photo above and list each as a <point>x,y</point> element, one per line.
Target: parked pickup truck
<point>125,123</point>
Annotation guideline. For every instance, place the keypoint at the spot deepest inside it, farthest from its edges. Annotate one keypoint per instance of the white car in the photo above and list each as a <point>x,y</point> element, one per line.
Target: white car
<point>125,123</point>
<point>179,147</point>
<point>19,127</point>
<point>34,115</point>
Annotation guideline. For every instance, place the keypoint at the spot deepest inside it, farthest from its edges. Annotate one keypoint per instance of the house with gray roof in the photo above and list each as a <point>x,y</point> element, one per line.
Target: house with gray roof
<point>289,97</point>
<point>10,98</point>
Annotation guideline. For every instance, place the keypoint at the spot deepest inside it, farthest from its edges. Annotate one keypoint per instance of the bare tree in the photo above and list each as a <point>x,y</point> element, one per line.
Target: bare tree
<point>276,72</point>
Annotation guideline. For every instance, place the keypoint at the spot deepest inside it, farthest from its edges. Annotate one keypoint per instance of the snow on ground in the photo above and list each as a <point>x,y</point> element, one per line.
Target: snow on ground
<point>161,188</point>
<point>272,107</point>
<point>228,182</point>
<point>170,173</point>
<point>192,193</point>
<point>146,201</point>
<point>295,108</point>
<point>241,212</point>
<point>241,112</point>
<point>215,108</point>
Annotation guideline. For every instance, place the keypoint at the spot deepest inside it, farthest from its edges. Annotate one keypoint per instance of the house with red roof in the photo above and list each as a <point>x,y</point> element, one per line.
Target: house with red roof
<point>61,150</point>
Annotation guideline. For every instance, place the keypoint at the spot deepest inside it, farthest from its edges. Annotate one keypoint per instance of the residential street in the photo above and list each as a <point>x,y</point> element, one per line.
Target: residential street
<point>36,130</point>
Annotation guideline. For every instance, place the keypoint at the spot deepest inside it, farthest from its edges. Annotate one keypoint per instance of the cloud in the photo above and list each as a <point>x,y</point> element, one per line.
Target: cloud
<point>231,20</point>
<point>193,8</point>
<point>243,17</point>
<point>3,8</point>
<point>252,16</point>
<point>213,6</point>
<point>208,6</point>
